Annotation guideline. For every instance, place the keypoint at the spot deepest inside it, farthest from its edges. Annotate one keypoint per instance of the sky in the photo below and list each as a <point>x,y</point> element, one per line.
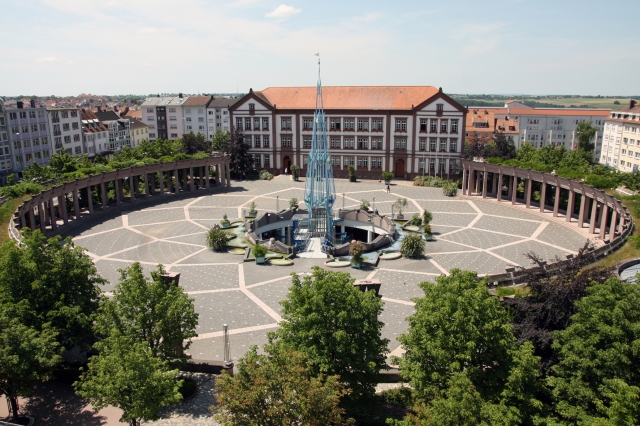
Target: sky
<point>68,47</point>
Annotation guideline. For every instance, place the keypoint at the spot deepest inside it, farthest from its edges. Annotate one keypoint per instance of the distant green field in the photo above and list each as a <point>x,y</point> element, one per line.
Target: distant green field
<point>607,103</point>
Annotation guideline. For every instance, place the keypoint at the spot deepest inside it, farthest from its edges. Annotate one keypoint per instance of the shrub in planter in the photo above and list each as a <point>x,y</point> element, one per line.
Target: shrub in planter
<point>216,239</point>
<point>427,216</point>
<point>416,220</point>
<point>387,176</point>
<point>295,172</point>
<point>400,205</point>
<point>352,174</point>
<point>450,189</point>
<point>427,231</point>
<point>412,246</point>
<point>259,251</point>
<point>252,209</point>
<point>225,221</point>
<point>356,250</point>
<point>364,205</point>
<point>265,175</point>
<point>418,181</point>
<point>293,204</point>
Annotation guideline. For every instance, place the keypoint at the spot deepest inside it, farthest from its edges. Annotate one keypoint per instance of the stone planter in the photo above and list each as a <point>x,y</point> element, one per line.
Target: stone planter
<point>356,265</point>
<point>387,182</point>
<point>352,178</point>
<point>261,260</point>
<point>225,224</point>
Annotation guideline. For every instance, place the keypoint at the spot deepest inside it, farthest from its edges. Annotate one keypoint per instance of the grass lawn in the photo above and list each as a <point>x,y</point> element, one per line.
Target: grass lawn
<point>604,103</point>
<point>6,211</point>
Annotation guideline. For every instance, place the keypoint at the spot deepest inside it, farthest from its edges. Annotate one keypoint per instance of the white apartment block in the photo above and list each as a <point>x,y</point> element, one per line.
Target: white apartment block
<point>218,118</point>
<point>621,142</point>
<point>194,111</point>
<point>139,132</point>
<point>401,129</point>
<point>164,116</point>
<point>95,134</point>
<point>119,131</point>
<point>66,129</point>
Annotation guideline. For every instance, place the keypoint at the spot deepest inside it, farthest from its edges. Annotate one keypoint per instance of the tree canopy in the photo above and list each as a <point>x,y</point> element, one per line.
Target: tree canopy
<point>586,132</point>
<point>238,149</point>
<point>336,326</point>
<point>278,388</point>
<point>152,312</point>
<point>194,143</point>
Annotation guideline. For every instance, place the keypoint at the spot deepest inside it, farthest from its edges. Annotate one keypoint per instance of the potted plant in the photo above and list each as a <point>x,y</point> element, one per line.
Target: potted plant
<point>412,246</point>
<point>356,250</point>
<point>225,221</point>
<point>216,239</point>
<point>400,204</point>
<point>427,232</point>
<point>352,174</point>
<point>295,172</point>
<point>427,217</point>
<point>252,209</point>
<point>260,253</point>
<point>416,220</point>
<point>387,176</point>
<point>364,205</point>
<point>293,204</point>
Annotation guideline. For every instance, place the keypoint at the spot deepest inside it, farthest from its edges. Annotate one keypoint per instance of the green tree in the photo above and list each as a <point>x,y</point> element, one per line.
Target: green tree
<point>62,162</point>
<point>193,143</point>
<point>27,356</point>
<point>527,153</point>
<point>156,313</point>
<point>11,179</point>
<point>279,388</point>
<point>51,282</point>
<point>241,160</point>
<point>126,374</point>
<point>600,345</point>
<point>586,132</point>
<point>34,172</point>
<point>412,246</point>
<point>221,140</point>
<point>336,326</point>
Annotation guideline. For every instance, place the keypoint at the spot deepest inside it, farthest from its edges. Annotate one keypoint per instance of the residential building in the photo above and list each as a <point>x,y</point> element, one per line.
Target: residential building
<point>218,115</point>
<point>66,129</point>
<point>139,132</point>
<point>164,116</point>
<point>482,123</point>
<point>95,134</point>
<point>6,159</point>
<point>621,142</point>
<point>28,136</point>
<point>408,130</point>
<point>194,111</point>
<point>119,131</point>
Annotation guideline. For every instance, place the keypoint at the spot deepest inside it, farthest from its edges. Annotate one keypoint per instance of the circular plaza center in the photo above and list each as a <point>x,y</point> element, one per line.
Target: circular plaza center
<point>469,233</point>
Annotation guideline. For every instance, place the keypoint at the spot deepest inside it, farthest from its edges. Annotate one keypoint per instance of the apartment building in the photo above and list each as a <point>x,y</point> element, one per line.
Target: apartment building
<point>164,115</point>
<point>408,130</point>
<point>66,129</point>
<point>194,111</point>
<point>139,131</point>
<point>28,136</point>
<point>6,159</point>
<point>95,134</point>
<point>218,115</point>
<point>119,131</point>
<point>621,142</point>
<point>482,123</point>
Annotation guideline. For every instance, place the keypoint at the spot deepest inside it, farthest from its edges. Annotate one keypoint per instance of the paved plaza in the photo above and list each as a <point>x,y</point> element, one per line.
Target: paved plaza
<point>472,234</point>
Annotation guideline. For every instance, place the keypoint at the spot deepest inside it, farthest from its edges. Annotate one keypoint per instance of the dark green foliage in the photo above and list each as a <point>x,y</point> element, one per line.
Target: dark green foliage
<point>23,188</point>
<point>50,282</point>
<point>241,160</point>
<point>192,144</point>
<point>156,313</point>
<point>427,216</point>
<point>416,220</point>
<point>412,246</point>
<point>221,140</point>
<point>387,176</point>
<point>187,387</point>
<point>216,239</point>
<point>586,133</point>
<point>259,250</point>
<point>336,326</point>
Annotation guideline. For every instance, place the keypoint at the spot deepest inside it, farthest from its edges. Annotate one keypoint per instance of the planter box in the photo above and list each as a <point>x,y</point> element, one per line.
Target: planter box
<point>357,265</point>
<point>261,260</point>
<point>225,225</point>
<point>352,179</point>
<point>400,217</point>
<point>387,182</point>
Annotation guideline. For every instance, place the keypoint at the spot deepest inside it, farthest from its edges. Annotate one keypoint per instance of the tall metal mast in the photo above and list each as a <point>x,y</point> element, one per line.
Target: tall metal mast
<point>320,190</point>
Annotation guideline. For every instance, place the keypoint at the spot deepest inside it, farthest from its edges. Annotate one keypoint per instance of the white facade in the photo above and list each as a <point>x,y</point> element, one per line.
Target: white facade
<point>195,119</point>
<point>218,117</point>
<point>66,129</point>
<point>24,138</point>
<point>164,116</point>
<point>621,141</point>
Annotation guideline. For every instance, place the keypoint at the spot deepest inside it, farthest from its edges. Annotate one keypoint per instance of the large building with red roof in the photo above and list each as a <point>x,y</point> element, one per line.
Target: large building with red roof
<point>407,130</point>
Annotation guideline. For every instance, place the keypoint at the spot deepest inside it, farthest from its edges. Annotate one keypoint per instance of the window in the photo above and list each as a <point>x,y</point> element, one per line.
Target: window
<point>29,157</point>
<point>363,162</point>
<point>65,127</point>
<point>267,161</point>
<point>265,124</point>
<point>151,110</point>
<point>173,126</point>
<point>348,143</point>
<point>152,135</point>
<point>401,125</point>
<point>174,135</point>
<point>200,127</point>
<point>286,141</point>
<point>73,114</point>
<point>443,126</point>
<point>256,124</point>
<point>74,125</point>
<point>23,115</point>
<point>434,126</point>
<point>256,141</point>
<point>286,123</point>
<point>625,141</point>
<point>335,161</point>
<point>238,123</point>
<point>2,123</point>
<point>376,124</point>
<point>334,124</point>
<point>252,108</point>
<point>454,126</point>
<point>401,144</point>
<point>64,114</point>
<point>39,155</point>
<point>25,128</point>
<point>32,114</point>
<point>376,143</point>
<point>432,145</point>
<point>306,142</point>
<point>76,138</point>
<point>423,125</point>
<point>423,144</point>
<point>200,119</point>
<point>67,139</point>
<point>43,127</point>
<point>376,162</point>
<point>172,118</point>
<point>265,141</point>
<point>27,143</point>
<point>363,143</point>
<point>363,124</point>
<point>13,116</point>
<point>335,143</point>
<point>170,110</point>
<point>440,108</point>
<point>349,124</point>
<point>247,124</point>
<point>34,128</point>
<point>307,124</point>
<point>453,145</point>
<point>188,127</point>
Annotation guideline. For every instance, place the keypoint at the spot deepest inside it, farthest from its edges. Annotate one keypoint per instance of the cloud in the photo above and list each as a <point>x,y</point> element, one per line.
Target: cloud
<point>148,30</point>
<point>47,59</point>
<point>371,16</point>
<point>283,12</point>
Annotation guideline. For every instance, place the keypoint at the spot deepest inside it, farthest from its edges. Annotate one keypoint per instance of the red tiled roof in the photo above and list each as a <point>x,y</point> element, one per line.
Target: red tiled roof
<point>349,97</point>
<point>197,101</point>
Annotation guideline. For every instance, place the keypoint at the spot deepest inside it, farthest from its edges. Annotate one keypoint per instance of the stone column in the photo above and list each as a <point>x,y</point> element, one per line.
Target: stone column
<point>477,182</point>
<point>76,204</point>
<point>612,226</point>
<point>594,216</point>
<point>62,208</point>
<point>485,181</point>
<point>514,190</point>
<point>132,187</point>
<point>52,215</point>
<point>146,185</point>
<point>168,181</point>
<point>464,179</point>
<point>572,196</point>
<point>510,187</point>
<point>228,175</point>
<point>117,191</point>
<point>23,221</point>
<point>471,180</point>
<point>191,179</point>
<point>603,220</point>
<point>161,182</point>
<point>494,184</point>
<point>543,194</point>
<point>89,199</point>
<point>32,219</point>
<point>43,219</point>
<point>527,192</point>
<point>105,200</point>
<point>176,189</point>
<point>499,189</point>
<point>206,177</point>
<point>556,202</point>
<point>45,211</point>
<point>583,207</point>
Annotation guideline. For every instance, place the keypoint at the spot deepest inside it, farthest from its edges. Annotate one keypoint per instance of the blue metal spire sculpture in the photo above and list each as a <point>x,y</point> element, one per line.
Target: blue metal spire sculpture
<point>320,190</point>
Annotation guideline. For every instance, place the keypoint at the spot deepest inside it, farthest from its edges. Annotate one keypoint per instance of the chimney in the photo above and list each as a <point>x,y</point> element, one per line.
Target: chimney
<point>33,103</point>
<point>632,103</point>
<point>126,110</point>
<point>99,108</point>
<point>179,95</point>
<point>20,104</point>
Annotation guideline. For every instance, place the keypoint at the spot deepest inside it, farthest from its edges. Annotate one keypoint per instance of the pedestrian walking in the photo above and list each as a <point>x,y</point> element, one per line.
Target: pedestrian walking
<point>388,189</point>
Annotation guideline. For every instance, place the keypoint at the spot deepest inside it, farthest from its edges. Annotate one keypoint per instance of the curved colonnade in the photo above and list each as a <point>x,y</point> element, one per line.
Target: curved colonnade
<point>61,207</point>
<point>608,221</point>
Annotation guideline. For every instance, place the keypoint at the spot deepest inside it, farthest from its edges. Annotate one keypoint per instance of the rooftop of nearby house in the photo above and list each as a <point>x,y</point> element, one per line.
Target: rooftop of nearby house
<point>164,101</point>
<point>192,101</point>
